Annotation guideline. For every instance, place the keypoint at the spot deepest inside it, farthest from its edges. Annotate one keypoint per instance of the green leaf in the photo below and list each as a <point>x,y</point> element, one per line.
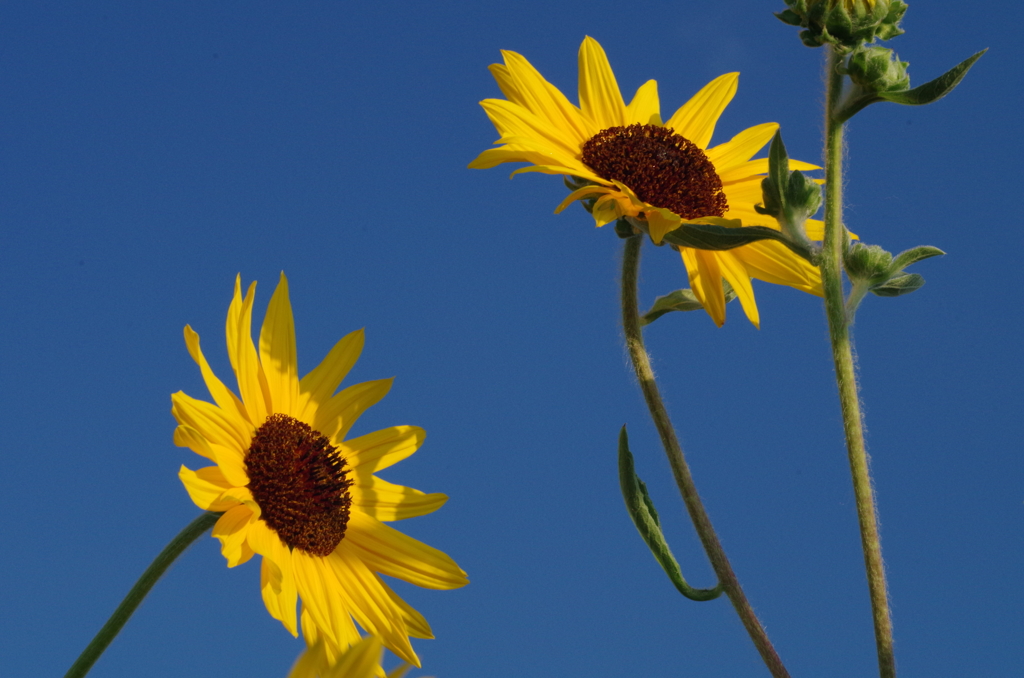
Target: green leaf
<point>778,167</point>
<point>680,300</point>
<point>935,89</point>
<point>645,518</point>
<point>912,256</point>
<point>714,237</point>
<point>900,285</point>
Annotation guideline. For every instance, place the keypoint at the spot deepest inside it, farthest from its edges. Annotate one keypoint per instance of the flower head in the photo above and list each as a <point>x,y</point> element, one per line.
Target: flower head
<point>633,165</point>
<point>296,491</point>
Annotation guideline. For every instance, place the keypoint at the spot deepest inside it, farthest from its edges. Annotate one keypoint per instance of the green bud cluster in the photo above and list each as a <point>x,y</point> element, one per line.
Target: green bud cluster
<point>877,69</point>
<point>790,197</point>
<point>845,24</point>
<point>876,270</point>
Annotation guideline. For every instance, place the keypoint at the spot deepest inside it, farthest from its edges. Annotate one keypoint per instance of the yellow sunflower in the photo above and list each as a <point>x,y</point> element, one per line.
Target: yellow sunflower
<point>660,174</point>
<point>294,490</point>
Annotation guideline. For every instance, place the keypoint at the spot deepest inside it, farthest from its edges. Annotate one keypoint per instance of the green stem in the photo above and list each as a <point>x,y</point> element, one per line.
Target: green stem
<point>860,288</point>
<point>124,611</point>
<point>680,469</point>
<point>846,378</point>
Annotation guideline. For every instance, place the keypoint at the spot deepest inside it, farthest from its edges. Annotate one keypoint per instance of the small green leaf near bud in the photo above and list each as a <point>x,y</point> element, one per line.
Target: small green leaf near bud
<point>681,300</point>
<point>935,89</point>
<point>914,255</point>
<point>900,285</point>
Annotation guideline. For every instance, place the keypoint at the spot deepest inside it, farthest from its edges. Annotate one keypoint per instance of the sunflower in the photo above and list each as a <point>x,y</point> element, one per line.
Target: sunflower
<point>659,174</point>
<point>294,490</point>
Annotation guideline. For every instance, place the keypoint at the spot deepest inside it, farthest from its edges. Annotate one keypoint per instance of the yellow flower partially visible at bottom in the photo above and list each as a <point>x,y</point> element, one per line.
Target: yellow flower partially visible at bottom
<point>294,490</point>
<point>362,660</point>
<point>638,166</point>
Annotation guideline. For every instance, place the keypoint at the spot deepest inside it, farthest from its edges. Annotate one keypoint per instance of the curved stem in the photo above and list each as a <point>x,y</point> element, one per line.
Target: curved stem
<point>680,469</point>
<point>846,378</point>
<point>134,598</point>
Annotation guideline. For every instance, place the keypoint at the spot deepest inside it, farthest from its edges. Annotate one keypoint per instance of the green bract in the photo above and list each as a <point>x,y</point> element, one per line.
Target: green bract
<point>844,23</point>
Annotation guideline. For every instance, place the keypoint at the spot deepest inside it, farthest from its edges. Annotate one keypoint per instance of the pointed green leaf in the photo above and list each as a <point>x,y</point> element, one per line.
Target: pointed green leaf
<point>900,285</point>
<point>645,518</point>
<point>715,237</point>
<point>935,89</point>
<point>778,167</point>
<point>911,256</point>
<point>680,300</point>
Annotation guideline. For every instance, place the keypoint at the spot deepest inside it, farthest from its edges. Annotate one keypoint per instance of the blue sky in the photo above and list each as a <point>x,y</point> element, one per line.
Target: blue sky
<point>152,152</point>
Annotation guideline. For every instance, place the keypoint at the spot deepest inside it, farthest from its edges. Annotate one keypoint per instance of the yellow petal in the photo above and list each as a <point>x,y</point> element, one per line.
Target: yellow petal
<point>320,591</point>
<point>211,422</point>
<point>390,552</point>
<point>221,394</point>
<point>277,577</point>
<point>505,83</point>
<point>369,603</point>
<point>360,661</point>
<point>319,385</point>
<point>277,352</point>
<point>387,501</point>
<point>600,98</point>
<point>231,529</point>
<point>205,487</point>
<point>545,100</point>
<point>734,271</point>
<point>377,451</point>
<point>741,147</point>
<point>660,222</point>
<point>696,119</point>
<point>705,281</point>
<point>252,384</point>
<point>582,193</point>
<point>416,622</point>
<point>773,262</point>
<point>279,596</point>
<point>335,417</point>
<point>644,109</point>
<point>759,166</point>
<point>512,120</point>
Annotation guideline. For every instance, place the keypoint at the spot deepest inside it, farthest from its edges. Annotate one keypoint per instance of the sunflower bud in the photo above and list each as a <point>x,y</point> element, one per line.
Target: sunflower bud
<point>869,263</point>
<point>877,69</point>
<point>844,23</point>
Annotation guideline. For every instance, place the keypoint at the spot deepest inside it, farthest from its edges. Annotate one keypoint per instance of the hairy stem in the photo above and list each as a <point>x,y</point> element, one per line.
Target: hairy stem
<point>680,469</point>
<point>124,611</point>
<point>846,378</point>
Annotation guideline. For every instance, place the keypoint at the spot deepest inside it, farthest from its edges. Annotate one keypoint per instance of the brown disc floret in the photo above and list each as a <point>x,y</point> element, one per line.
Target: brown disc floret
<point>663,168</point>
<point>299,481</point>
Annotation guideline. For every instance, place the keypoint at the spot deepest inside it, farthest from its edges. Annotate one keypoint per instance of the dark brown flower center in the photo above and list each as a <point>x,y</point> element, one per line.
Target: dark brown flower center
<point>663,168</point>
<point>298,479</point>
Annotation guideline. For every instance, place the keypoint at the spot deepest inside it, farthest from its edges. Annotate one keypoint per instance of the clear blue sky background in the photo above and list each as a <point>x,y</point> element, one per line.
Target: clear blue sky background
<point>151,151</point>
